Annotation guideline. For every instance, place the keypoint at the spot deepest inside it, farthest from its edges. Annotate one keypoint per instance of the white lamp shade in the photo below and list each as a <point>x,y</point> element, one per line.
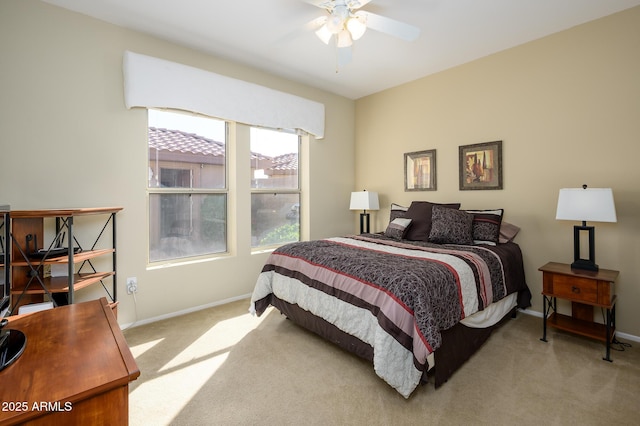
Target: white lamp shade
<point>364,200</point>
<point>344,39</point>
<point>588,204</point>
<point>324,34</point>
<point>357,26</point>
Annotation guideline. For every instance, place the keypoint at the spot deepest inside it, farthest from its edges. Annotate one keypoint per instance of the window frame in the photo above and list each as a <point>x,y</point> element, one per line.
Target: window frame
<point>276,191</point>
<point>238,190</point>
<point>159,190</point>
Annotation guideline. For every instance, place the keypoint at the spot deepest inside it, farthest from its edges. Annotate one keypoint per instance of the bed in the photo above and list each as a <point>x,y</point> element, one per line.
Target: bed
<point>416,300</point>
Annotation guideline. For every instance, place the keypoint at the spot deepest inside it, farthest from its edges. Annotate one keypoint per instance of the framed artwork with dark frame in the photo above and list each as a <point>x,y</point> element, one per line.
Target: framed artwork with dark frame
<point>420,171</point>
<point>480,166</point>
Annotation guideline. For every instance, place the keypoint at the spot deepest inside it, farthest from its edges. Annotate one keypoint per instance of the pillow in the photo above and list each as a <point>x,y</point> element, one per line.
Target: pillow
<point>420,214</point>
<point>397,211</point>
<point>486,226</point>
<point>398,228</point>
<point>507,232</point>
<point>451,226</point>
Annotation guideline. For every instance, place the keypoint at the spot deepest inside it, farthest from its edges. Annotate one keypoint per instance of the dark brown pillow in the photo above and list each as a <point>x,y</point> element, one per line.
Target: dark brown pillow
<point>450,226</point>
<point>420,214</point>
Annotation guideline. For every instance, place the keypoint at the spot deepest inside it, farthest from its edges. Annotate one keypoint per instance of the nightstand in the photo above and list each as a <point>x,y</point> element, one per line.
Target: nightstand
<point>585,290</point>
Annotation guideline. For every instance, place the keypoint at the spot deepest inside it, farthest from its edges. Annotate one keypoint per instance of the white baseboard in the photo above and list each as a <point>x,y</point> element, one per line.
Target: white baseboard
<point>246,296</point>
<point>185,311</point>
<point>625,336</point>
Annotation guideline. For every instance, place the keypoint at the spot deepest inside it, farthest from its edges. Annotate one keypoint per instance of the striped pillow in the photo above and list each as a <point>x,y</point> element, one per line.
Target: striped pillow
<point>398,228</point>
<point>397,211</point>
<point>486,226</point>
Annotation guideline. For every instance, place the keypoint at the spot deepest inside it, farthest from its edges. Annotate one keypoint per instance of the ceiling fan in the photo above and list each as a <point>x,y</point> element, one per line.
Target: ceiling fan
<point>345,22</point>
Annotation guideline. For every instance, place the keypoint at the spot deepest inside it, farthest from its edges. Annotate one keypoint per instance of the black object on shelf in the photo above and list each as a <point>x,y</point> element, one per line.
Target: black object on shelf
<point>54,252</point>
<point>50,252</point>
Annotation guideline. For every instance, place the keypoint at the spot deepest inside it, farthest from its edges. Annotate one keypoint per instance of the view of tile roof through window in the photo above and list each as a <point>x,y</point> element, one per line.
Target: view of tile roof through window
<point>179,141</point>
<point>285,162</point>
<point>176,140</point>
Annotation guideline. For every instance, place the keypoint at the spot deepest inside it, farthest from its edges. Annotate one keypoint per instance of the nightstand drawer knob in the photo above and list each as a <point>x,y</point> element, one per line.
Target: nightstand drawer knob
<point>575,289</point>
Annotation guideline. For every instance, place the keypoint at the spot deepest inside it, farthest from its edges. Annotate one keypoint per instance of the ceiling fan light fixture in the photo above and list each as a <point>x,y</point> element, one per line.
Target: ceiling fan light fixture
<point>324,34</point>
<point>335,23</point>
<point>344,39</point>
<point>357,25</point>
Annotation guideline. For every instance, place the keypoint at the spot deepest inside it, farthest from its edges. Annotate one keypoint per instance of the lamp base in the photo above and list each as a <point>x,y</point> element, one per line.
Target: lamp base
<point>579,263</point>
<point>585,265</point>
<point>364,223</point>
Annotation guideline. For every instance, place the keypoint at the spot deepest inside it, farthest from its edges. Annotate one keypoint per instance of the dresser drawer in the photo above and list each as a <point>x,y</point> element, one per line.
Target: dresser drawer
<point>577,289</point>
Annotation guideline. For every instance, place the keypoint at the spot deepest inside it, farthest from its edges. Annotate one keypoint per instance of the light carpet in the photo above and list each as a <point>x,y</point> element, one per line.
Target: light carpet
<point>222,366</point>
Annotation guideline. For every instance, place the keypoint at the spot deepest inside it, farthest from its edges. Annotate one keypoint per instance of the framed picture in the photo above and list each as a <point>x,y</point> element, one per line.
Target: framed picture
<point>480,166</point>
<point>420,171</point>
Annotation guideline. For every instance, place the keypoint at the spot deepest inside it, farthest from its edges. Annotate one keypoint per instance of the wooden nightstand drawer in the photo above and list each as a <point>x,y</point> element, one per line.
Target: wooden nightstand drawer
<point>578,289</point>
<point>594,288</point>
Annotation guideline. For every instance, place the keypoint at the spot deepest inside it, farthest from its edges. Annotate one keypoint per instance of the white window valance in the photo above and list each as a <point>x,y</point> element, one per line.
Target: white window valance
<point>157,83</point>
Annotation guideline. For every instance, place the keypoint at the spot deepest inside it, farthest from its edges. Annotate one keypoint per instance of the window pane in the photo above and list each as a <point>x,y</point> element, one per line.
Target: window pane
<point>274,159</point>
<point>186,151</point>
<point>275,219</point>
<point>183,225</point>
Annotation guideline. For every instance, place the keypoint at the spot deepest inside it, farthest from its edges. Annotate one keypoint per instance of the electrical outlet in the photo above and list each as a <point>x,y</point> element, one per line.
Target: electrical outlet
<point>132,285</point>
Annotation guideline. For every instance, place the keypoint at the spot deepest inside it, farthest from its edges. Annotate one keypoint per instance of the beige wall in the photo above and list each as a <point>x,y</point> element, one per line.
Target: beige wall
<point>567,108</point>
<point>67,140</point>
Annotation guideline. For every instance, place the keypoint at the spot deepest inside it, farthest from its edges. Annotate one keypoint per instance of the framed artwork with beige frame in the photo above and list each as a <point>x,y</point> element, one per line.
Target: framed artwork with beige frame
<point>420,171</point>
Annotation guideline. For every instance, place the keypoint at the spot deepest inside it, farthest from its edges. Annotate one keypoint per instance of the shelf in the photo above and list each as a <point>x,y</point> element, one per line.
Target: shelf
<point>78,257</point>
<point>584,328</point>
<point>21,214</point>
<point>5,257</point>
<point>61,284</point>
<point>28,231</point>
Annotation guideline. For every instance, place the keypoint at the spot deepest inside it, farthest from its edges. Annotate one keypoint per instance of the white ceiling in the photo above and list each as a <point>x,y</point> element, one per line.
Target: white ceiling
<point>271,35</point>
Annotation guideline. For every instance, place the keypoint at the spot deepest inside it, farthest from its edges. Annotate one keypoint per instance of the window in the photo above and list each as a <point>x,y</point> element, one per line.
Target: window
<point>275,187</point>
<point>187,185</point>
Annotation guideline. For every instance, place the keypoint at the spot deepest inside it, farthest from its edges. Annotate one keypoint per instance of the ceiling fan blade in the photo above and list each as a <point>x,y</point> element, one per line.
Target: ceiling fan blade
<point>329,4</point>
<point>390,26</point>
<point>357,4</point>
<point>314,24</point>
<point>324,4</point>
<point>310,26</point>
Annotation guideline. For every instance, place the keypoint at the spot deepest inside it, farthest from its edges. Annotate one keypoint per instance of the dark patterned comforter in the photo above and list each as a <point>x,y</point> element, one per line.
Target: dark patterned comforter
<point>396,296</point>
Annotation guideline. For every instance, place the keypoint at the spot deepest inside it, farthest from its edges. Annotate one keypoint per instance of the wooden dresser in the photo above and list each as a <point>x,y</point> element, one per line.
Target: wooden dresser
<point>75,369</point>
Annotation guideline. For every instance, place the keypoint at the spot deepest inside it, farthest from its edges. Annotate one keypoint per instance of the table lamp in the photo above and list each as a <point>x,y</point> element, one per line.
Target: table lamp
<point>364,200</point>
<point>585,204</point>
